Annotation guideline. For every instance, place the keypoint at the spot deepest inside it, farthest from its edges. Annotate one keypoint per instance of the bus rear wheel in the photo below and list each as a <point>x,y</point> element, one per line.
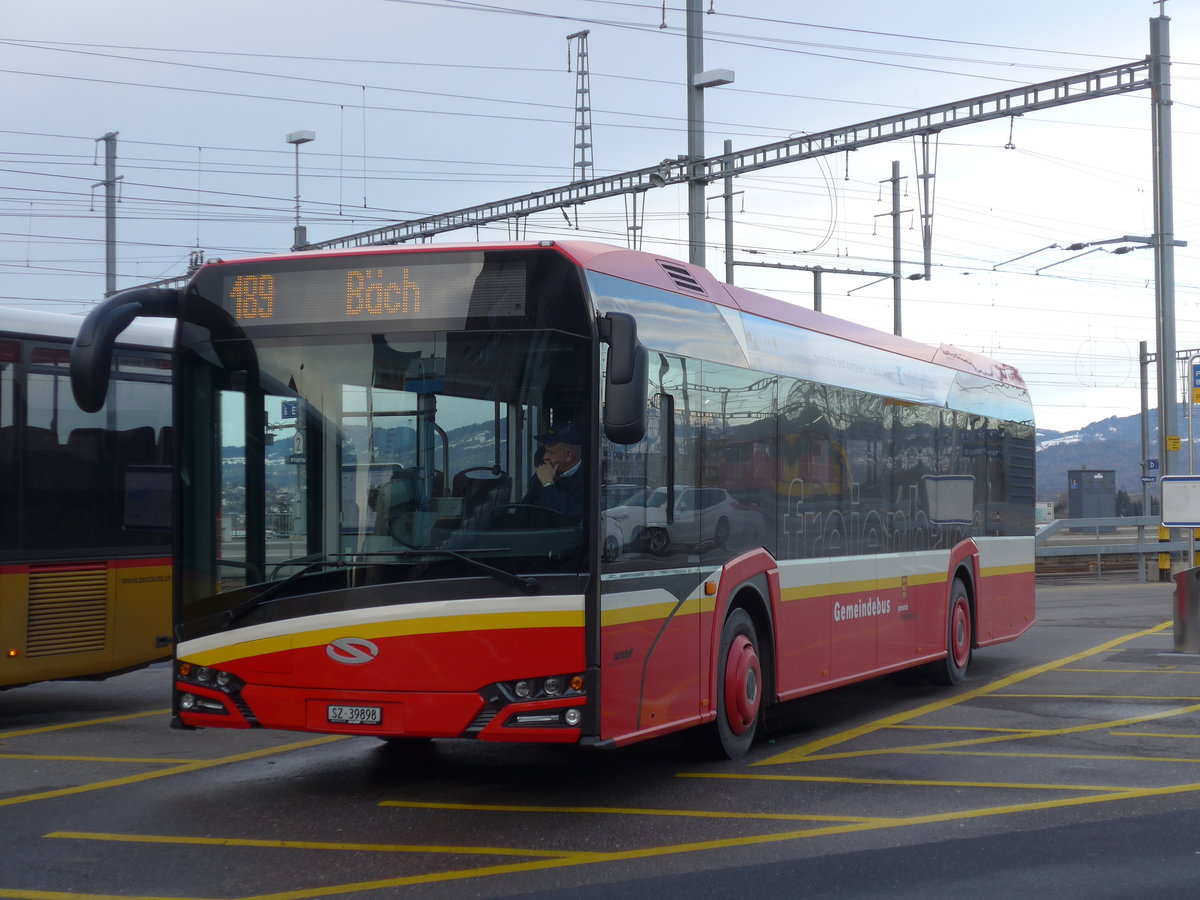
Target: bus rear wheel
<point>953,669</point>
<point>739,687</point>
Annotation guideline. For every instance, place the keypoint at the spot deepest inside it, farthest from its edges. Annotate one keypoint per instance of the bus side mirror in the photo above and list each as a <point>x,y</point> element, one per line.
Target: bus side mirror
<point>92,349</point>
<point>625,379</point>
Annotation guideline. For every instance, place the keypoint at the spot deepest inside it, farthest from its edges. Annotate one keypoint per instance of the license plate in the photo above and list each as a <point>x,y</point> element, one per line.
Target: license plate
<point>355,715</point>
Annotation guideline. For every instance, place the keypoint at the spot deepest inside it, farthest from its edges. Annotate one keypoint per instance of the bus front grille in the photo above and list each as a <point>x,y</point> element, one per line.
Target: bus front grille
<point>68,610</point>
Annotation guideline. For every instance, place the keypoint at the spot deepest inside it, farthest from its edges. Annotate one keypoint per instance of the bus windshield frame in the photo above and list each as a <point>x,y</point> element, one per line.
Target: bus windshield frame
<point>341,449</point>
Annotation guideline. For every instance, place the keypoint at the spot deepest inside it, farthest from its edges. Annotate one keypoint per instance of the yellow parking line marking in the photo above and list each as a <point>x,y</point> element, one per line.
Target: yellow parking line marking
<point>430,878</point>
<point>942,746</point>
<point>907,782</point>
<point>1157,734</point>
<point>805,753</point>
<point>5,735</point>
<point>962,728</point>
<point>307,845</point>
<point>1132,697</point>
<point>1161,670</point>
<point>1105,757</point>
<point>14,894</point>
<point>163,773</point>
<point>586,858</point>
<point>747,840</point>
<point>621,811</point>
<point>799,754</point>
<point>139,760</point>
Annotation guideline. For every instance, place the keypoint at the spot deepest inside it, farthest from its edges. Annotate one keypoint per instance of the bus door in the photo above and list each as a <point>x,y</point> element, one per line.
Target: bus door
<point>650,605</point>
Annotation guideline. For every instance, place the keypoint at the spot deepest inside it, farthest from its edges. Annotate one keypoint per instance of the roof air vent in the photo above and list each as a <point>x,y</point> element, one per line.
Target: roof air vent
<point>681,276</point>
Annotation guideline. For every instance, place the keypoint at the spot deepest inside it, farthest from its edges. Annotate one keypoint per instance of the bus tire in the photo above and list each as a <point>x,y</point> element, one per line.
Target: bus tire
<point>739,687</point>
<point>953,669</point>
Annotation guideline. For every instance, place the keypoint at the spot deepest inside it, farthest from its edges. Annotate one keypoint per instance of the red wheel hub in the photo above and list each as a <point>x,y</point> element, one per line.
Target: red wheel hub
<point>960,633</point>
<point>743,680</point>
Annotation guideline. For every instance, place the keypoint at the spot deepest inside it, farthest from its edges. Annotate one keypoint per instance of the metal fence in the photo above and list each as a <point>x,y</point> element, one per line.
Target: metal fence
<point>1103,541</point>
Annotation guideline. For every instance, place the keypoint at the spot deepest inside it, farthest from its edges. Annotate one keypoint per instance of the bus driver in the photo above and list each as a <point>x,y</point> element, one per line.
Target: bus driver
<point>559,482</point>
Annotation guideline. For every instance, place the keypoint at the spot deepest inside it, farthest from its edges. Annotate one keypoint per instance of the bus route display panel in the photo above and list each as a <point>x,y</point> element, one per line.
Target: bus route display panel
<point>376,288</point>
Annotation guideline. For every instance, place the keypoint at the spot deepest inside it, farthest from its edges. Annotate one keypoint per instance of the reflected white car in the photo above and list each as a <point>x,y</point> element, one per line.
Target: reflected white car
<point>615,494</point>
<point>700,515</point>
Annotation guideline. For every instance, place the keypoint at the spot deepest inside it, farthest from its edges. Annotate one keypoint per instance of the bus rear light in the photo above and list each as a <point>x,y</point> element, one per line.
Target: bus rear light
<point>12,654</point>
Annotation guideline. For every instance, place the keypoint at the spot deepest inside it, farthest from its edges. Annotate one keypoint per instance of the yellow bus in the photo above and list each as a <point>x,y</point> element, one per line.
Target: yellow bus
<point>85,505</point>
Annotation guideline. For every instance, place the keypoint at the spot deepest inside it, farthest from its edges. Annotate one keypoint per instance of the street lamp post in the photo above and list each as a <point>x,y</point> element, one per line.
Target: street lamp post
<point>299,232</point>
<point>698,81</point>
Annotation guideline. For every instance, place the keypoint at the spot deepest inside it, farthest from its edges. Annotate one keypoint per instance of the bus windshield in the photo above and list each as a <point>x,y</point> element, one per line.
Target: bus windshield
<point>369,457</point>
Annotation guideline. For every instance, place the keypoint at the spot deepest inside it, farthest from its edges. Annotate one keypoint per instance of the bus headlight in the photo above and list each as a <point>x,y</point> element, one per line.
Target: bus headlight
<point>548,688</point>
<point>205,676</point>
<point>553,701</point>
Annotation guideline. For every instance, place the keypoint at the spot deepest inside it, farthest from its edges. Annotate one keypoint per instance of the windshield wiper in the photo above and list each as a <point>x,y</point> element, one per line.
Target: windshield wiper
<point>230,617</point>
<point>528,585</point>
<point>235,614</point>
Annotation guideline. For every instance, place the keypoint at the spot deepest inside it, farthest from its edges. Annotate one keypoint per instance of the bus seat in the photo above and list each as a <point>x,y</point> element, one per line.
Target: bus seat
<point>135,447</point>
<point>92,444</point>
<point>483,489</point>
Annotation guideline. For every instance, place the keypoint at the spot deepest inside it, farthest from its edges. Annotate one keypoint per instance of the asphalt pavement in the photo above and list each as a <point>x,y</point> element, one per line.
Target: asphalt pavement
<point>1067,765</point>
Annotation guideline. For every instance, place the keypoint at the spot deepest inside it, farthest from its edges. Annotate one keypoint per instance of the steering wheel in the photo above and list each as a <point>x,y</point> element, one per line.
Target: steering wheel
<point>494,469</point>
<point>527,515</point>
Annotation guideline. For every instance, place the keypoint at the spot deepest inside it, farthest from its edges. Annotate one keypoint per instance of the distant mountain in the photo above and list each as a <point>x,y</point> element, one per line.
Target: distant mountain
<point>1114,443</point>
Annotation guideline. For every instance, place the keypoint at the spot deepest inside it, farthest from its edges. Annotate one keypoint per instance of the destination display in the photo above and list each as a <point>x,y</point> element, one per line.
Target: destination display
<point>414,289</point>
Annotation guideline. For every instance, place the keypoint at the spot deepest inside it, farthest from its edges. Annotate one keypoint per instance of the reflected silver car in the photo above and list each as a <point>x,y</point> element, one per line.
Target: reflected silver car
<point>700,515</point>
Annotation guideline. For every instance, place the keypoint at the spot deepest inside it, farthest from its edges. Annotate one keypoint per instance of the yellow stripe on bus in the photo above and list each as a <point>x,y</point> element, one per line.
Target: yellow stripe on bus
<point>1018,569</point>
<point>652,612</point>
<point>385,629</point>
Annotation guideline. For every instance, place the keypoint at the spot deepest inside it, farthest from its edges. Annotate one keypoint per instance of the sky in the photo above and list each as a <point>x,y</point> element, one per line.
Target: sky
<point>426,106</point>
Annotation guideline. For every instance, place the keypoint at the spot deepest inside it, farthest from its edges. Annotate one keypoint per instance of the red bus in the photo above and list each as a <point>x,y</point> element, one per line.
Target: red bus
<point>773,502</point>
<point>85,540</point>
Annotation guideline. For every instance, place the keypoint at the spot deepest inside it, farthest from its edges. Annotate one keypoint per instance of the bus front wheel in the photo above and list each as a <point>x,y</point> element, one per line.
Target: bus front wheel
<point>739,686</point>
